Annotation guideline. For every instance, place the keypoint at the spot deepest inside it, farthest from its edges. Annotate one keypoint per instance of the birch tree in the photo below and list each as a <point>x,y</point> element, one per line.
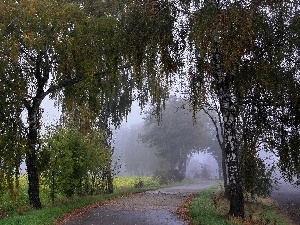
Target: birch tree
<point>241,48</point>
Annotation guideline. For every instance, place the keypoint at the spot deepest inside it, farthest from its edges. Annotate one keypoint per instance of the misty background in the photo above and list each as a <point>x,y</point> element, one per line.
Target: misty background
<point>133,157</point>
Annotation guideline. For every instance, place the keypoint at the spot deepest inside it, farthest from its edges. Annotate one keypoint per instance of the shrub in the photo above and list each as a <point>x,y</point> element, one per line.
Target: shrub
<point>139,183</point>
<point>170,176</point>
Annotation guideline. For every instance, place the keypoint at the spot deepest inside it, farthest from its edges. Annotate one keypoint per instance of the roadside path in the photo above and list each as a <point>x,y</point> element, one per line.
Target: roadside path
<point>159,207</point>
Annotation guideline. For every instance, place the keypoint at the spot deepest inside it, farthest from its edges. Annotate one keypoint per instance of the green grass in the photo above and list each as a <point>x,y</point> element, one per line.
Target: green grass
<point>18,212</point>
<point>258,211</point>
<point>201,210</point>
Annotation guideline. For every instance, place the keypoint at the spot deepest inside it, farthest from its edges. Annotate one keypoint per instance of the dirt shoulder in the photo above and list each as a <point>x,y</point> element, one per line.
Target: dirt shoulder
<point>147,208</point>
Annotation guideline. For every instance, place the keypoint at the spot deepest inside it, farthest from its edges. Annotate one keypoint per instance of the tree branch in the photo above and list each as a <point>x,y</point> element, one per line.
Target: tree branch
<point>76,80</point>
<point>62,85</point>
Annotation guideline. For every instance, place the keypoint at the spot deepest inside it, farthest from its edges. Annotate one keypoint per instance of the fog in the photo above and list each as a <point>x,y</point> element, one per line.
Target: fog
<point>133,157</point>
<point>137,159</point>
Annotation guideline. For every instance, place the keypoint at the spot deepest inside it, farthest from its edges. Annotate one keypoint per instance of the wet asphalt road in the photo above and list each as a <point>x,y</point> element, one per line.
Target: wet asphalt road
<point>288,197</point>
<point>157,207</point>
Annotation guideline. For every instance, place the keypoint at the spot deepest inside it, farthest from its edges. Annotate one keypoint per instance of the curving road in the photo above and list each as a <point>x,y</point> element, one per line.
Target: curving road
<point>148,208</point>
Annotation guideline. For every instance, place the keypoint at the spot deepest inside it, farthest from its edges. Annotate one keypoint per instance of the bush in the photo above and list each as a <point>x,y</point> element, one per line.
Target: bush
<point>168,177</point>
<point>74,164</point>
<point>139,183</point>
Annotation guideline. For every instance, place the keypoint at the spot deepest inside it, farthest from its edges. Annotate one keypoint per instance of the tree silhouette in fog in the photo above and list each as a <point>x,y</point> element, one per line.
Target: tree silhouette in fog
<point>176,135</point>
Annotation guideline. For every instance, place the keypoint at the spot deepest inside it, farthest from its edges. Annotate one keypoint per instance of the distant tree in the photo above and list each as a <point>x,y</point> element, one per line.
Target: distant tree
<point>200,170</point>
<point>175,136</point>
<point>137,159</point>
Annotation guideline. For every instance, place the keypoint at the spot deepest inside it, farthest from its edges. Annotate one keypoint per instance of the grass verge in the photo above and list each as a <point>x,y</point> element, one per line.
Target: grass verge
<point>204,211</point>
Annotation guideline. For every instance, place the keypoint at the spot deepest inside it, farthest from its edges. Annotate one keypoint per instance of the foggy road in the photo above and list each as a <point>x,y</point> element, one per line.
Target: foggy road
<point>288,198</point>
<point>157,207</point>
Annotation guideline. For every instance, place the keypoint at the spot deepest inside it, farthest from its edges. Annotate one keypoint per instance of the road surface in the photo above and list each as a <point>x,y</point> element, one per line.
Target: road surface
<point>288,198</point>
<point>159,207</point>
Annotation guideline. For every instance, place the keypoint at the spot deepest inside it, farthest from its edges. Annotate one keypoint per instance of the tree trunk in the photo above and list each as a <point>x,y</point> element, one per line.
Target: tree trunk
<point>229,112</point>
<point>235,188</point>
<point>31,157</point>
<point>110,185</point>
<point>182,162</point>
<point>224,171</point>
<point>33,180</point>
<point>221,172</point>
<point>220,138</point>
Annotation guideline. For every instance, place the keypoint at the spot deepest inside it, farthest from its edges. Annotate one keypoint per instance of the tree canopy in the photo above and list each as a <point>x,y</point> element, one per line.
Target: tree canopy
<point>97,56</point>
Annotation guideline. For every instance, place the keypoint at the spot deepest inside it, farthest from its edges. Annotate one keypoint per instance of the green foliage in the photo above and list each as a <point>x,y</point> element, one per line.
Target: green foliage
<point>257,180</point>
<point>12,135</point>
<point>148,34</point>
<point>46,47</point>
<point>17,202</point>
<point>245,60</point>
<point>71,163</point>
<point>148,28</point>
<point>10,162</point>
<point>257,51</point>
